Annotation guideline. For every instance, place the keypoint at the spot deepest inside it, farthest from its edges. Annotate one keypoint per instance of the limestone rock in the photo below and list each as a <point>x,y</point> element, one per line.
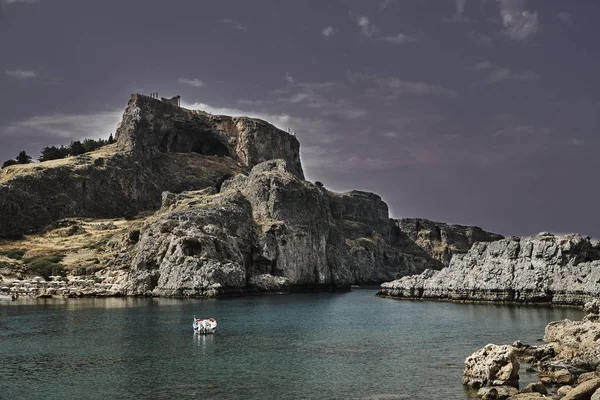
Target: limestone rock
<point>564,390</point>
<point>592,307</point>
<point>575,343</point>
<point>271,231</point>
<point>536,387</point>
<point>541,269</point>
<point>527,396</point>
<point>269,283</point>
<point>197,248</point>
<point>583,391</point>
<point>492,365</point>
<point>160,147</point>
<point>442,240</point>
<point>496,392</point>
<point>596,395</point>
<point>150,127</point>
<point>586,376</point>
<point>233,212</point>
<point>563,377</point>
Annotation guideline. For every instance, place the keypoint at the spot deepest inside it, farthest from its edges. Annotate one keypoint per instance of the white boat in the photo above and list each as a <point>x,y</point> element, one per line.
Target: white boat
<point>7,297</point>
<point>204,325</point>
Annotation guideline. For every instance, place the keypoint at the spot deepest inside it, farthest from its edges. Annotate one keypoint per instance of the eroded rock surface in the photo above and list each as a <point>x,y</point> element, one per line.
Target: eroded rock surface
<point>540,269</point>
<point>150,127</point>
<point>265,231</point>
<point>160,147</point>
<point>442,240</point>
<point>568,362</point>
<point>492,365</point>
<point>232,211</point>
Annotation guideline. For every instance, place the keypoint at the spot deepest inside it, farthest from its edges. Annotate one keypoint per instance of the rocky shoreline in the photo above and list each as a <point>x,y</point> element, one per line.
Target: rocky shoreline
<point>213,205</point>
<point>543,269</point>
<point>568,363</point>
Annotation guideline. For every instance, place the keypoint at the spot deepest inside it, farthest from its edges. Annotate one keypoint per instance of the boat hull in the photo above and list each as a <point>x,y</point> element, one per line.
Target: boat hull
<point>204,326</point>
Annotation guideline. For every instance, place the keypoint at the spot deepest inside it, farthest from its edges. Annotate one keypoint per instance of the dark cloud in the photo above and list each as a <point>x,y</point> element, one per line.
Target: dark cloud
<point>491,121</point>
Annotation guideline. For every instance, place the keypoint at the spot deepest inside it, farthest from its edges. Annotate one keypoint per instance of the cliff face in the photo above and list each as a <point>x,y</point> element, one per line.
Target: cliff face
<point>160,147</point>
<point>233,211</point>
<point>268,230</point>
<point>150,127</point>
<point>442,240</point>
<point>544,268</point>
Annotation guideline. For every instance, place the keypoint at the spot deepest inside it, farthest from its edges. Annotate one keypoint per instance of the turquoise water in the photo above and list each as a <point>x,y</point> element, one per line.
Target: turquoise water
<point>302,346</point>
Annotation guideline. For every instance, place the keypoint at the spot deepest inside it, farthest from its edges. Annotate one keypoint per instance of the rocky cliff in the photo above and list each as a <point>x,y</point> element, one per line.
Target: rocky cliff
<point>541,269</point>
<point>232,211</point>
<point>151,127</point>
<point>442,240</point>
<point>265,231</point>
<point>160,147</point>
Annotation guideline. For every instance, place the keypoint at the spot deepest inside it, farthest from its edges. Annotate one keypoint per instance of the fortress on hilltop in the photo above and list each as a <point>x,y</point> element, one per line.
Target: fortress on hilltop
<point>175,100</point>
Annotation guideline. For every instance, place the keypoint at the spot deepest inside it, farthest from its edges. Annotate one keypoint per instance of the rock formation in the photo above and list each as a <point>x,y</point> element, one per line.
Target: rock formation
<point>233,213</point>
<point>540,269</point>
<point>265,231</point>
<point>151,127</point>
<point>569,360</point>
<point>492,366</point>
<point>160,147</point>
<point>442,240</point>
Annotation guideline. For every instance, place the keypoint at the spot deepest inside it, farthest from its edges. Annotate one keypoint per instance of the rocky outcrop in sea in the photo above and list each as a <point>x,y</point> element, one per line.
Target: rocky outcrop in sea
<point>568,363</point>
<point>541,269</point>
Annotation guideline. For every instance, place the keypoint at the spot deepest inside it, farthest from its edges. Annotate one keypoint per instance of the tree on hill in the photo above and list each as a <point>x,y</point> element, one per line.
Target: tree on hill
<point>53,153</point>
<point>23,158</point>
<point>91,144</point>
<point>76,148</point>
<point>8,163</point>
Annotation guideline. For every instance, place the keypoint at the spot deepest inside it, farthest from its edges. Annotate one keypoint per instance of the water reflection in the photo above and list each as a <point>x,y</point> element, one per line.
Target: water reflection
<point>310,346</point>
<point>202,341</point>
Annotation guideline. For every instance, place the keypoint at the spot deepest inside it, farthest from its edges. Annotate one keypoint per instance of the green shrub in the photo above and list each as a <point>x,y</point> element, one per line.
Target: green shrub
<point>15,254</point>
<point>46,265</point>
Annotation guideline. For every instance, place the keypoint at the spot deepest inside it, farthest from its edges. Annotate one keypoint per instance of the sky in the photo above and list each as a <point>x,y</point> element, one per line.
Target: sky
<point>476,112</point>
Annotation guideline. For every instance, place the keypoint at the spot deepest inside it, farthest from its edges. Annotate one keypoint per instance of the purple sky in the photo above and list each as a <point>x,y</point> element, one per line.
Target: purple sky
<point>463,111</point>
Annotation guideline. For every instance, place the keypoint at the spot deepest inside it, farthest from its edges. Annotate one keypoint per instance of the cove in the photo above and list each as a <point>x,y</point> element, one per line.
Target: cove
<point>349,345</point>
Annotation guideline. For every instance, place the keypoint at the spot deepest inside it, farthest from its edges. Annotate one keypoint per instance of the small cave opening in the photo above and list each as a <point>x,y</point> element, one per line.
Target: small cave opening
<point>206,143</point>
<point>191,247</point>
<point>438,233</point>
<point>210,147</point>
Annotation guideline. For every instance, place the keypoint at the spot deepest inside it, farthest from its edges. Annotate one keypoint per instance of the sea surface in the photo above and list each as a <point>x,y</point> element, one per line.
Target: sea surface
<point>302,346</point>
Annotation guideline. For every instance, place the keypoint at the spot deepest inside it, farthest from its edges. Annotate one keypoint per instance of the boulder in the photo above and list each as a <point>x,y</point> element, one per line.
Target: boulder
<point>269,283</point>
<point>496,392</point>
<point>592,307</point>
<point>492,365</point>
<point>564,390</point>
<point>586,377</point>
<point>527,396</point>
<point>575,344</point>
<point>537,387</point>
<point>583,391</point>
<point>563,377</point>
